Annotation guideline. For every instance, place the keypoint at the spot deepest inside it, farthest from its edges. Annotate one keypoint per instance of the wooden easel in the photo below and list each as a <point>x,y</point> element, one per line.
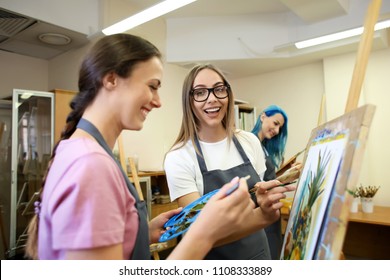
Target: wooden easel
<point>362,55</point>
<point>362,60</point>
<point>154,248</point>
<point>133,169</point>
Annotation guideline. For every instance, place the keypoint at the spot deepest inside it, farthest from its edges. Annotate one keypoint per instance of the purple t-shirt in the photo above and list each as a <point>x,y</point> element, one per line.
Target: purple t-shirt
<point>86,203</point>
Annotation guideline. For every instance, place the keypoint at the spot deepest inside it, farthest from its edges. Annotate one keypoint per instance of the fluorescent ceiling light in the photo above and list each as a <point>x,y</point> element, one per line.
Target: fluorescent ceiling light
<point>339,35</point>
<point>146,15</point>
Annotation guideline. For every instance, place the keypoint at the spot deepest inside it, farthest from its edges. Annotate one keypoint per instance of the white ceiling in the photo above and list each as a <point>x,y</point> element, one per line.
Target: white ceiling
<point>242,37</point>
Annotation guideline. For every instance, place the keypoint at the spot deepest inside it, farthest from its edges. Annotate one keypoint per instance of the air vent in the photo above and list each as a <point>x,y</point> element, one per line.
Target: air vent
<point>33,37</point>
<point>11,23</point>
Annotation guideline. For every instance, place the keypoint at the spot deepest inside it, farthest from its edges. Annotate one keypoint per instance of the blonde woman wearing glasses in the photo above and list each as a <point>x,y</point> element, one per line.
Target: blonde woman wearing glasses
<point>209,152</point>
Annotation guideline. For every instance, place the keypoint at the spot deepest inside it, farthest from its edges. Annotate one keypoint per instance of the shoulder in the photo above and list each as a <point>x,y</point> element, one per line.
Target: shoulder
<point>248,137</point>
<point>81,157</point>
<point>180,152</point>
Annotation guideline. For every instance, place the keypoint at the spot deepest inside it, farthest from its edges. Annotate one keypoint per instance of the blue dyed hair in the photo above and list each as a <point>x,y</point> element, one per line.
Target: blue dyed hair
<point>277,144</point>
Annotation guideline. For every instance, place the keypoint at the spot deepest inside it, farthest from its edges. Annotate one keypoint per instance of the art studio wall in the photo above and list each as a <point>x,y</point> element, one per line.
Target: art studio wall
<point>299,91</point>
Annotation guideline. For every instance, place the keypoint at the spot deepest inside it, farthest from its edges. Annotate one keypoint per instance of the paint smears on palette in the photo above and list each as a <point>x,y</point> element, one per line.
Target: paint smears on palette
<point>181,222</point>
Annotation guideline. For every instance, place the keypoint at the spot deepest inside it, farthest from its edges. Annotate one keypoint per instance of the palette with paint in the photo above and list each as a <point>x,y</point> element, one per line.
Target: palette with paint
<point>180,223</point>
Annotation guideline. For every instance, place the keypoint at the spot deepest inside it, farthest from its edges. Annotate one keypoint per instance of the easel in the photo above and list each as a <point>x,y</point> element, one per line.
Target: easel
<point>362,60</point>
<point>133,169</point>
<point>155,247</point>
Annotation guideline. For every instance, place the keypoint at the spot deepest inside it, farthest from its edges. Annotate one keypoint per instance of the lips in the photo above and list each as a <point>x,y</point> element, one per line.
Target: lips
<point>212,110</point>
<point>145,112</point>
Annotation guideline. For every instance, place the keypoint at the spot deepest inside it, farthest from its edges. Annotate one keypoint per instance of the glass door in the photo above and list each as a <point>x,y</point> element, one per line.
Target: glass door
<point>32,135</point>
<point>5,174</point>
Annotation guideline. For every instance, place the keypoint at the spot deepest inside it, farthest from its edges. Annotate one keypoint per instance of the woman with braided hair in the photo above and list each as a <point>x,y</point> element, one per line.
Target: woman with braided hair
<point>88,209</point>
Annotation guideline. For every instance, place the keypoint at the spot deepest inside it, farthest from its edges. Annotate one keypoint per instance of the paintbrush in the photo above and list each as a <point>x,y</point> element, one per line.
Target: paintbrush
<point>235,187</point>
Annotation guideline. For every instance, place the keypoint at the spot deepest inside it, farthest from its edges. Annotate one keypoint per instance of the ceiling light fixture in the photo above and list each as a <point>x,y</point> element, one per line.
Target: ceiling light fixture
<point>146,15</point>
<point>54,39</point>
<point>339,35</point>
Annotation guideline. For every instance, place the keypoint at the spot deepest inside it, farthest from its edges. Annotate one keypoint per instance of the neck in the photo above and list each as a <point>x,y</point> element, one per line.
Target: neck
<point>107,129</point>
<point>101,115</point>
<point>261,136</point>
<point>212,134</point>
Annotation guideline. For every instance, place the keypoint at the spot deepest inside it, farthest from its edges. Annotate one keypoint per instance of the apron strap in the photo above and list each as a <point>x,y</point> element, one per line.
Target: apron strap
<point>95,133</point>
<point>141,246</point>
<point>201,161</point>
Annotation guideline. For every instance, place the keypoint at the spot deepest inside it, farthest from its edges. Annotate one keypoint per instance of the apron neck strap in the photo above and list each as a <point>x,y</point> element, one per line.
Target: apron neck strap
<point>201,161</point>
<point>88,127</point>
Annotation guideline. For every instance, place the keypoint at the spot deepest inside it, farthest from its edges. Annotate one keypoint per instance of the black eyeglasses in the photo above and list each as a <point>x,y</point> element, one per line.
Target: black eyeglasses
<point>202,94</point>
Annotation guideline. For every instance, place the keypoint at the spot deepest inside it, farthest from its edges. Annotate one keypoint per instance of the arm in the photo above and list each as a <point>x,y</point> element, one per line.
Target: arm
<point>113,252</point>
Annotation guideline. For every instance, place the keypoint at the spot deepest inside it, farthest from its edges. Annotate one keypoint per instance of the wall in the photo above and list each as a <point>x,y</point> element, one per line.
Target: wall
<point>162,125</point>
<point>23,72</point>
<point>297,90</point>
<point>338,73</point>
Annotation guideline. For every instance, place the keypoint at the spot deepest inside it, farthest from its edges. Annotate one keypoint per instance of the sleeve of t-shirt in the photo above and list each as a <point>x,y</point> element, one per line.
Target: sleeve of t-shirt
<point>88,207</point>
<point>180,172</point>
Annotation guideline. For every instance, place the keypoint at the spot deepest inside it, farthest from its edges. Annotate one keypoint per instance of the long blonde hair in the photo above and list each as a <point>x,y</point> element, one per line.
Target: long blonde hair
<point>190,124</point>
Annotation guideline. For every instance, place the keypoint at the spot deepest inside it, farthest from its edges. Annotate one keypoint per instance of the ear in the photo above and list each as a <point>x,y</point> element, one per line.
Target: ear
<point>110,81</point>
<point>262,116</point>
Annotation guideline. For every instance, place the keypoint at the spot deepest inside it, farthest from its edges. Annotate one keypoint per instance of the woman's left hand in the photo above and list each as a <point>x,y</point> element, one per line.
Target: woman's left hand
<point>269,194</point>
<point>156,224</point>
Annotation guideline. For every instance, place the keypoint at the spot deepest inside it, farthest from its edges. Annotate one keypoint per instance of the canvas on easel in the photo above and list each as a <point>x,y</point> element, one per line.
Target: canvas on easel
<point>319,214</point>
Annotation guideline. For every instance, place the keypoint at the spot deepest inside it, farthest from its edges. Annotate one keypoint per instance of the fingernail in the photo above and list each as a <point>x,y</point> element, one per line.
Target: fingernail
<point>235,180</point>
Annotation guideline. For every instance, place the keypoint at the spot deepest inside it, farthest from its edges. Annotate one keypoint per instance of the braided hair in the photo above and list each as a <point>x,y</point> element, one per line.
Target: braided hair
<point>118,54</point>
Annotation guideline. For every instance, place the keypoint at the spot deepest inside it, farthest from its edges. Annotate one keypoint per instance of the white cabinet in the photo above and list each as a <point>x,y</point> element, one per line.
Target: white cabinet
<point>245,115</point>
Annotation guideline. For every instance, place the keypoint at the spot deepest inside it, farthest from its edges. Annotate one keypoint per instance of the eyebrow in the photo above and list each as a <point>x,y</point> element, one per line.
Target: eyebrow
<point>214,85</point>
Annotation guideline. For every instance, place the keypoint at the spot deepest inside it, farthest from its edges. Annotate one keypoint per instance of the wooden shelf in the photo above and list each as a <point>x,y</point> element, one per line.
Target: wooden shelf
<point>380,216</point>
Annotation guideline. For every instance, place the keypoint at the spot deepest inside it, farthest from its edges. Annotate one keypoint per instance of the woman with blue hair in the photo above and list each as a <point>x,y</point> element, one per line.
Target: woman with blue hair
<point>271,129</point>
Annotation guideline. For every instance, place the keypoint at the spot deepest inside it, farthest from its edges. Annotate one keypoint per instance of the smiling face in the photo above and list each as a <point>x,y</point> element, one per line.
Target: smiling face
<point>210,112</point>
<point>271,125</point>
<point>138,94</point>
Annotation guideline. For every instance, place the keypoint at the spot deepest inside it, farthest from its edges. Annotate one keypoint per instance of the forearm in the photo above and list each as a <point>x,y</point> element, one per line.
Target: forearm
<point>258,222</point>
<point>193,246</point>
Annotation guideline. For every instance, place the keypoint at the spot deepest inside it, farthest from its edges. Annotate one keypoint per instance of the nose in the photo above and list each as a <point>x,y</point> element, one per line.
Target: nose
<point>212,96</point>
<point>156,101</point>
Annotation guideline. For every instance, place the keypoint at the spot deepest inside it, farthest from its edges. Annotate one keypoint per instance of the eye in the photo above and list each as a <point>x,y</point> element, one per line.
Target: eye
<point>200,91</point>
<point>219,89</point>
<point>153,87</point>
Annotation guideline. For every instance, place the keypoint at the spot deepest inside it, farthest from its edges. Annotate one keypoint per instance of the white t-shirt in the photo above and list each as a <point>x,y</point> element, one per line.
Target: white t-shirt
<point>182,169</point>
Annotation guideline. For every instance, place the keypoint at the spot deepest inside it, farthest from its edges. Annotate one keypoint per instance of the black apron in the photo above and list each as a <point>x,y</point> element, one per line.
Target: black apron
<point>141,246</point>
<point>254,246</point>
<point>273,231</point>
